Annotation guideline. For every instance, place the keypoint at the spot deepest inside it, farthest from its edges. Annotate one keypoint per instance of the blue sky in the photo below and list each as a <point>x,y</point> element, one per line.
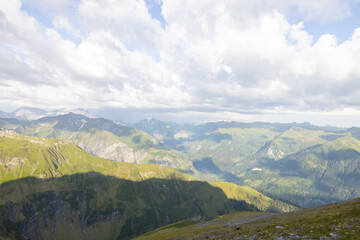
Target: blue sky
<point>154,8</point>
<point>189,61</point>
<point>341,28</point>
<point>38,13</point>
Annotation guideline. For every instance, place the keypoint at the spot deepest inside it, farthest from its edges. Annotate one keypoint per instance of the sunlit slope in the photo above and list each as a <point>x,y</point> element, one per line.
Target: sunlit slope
<point>333,221</point>
<point>294,140</point>
<point>299,163</point>
<point>251,196</point>
<point>23,156</point>
<point>227,147</point>
<point>234,150</point>
<point>233,154</point>
<point>52,187</point>
<point>234,147</point>
<point>317,175</point>
<point>103,138</point>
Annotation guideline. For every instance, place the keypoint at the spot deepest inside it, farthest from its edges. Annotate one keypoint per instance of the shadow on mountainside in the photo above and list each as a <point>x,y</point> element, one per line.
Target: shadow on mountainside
<point>95,206</point>
<point>207,166</point>
<point>334,176</point>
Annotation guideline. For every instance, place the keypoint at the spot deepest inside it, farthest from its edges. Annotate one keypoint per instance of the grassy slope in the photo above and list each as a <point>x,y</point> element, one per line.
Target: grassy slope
<point>303,166</point>
<point>293,140</point>
<point>251,196</point>
<point>317,175</point>
<point>229,152</point>
<point>45,158</point>
<point>95,206</point>
<point>103,138</point>
<point>232,154</point>
<point>290,169</point>
<point>338,221</point>
<point>93,194</point>
<point>138,147</point>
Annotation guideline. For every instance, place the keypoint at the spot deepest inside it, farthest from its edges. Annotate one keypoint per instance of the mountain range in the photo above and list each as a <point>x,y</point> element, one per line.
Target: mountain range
<point>27,113</point>
<point>303,164</point>
<point>66,175</point>
<point>103,138</point>
<point>51,188</point>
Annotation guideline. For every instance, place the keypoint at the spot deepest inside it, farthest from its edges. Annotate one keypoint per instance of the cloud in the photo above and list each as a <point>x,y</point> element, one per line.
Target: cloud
<point>274,63</point>
<point>100,70</point>
<point>211,56</point>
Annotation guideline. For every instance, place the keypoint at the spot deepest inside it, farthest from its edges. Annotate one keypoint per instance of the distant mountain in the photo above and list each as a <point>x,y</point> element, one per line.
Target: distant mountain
<point>64,111</point>
<point>103,138</point>
<point>26,113</point>
<point>173,134</point>
<point>160,129</point>
<point>354,131</point>
<point>257,154</point>
<point>4,115</point>
<point>272,158</point>
<point>52,189</point>
<point>320,174</point>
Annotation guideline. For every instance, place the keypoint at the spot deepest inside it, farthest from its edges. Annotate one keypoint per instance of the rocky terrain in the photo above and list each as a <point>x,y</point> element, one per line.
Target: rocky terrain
<point>334,221</point>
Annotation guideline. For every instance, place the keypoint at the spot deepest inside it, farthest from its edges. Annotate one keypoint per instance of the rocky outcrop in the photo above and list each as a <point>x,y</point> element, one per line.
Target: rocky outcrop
<point>118,151</point>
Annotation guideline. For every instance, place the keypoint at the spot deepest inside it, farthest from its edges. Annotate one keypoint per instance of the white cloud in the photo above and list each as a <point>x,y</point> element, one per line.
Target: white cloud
<point>100,65</point>
<point>229,55</point>
<point>61,23</point>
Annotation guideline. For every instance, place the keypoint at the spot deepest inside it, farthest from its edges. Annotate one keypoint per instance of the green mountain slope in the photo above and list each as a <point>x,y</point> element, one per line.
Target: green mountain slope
<point>23,156</point>
<point>294,140</point>
<point>233,146</point>
<point>234,150</point>
<point>253,197</point>
<point>317,175</point>
<point>103,138</point>
<point>51,188</point>
<point>300,163</point>
<point>333,221</point>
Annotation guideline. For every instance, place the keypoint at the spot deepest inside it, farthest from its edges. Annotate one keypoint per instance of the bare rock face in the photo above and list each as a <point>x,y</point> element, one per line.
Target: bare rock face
<point>7,134</point>
<point>275,152</point>
<point>103,145</point>
<point>118,151</point>
<point>183,134</point>
<point>102,138</point>
<point>164,161</point>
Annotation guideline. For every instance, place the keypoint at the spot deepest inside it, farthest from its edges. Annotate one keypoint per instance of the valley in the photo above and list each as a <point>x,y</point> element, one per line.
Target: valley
<point>303,164</point>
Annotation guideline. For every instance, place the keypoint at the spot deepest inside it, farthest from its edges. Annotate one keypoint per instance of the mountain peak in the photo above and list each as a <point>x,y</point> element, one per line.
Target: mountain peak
<point>28,113</point>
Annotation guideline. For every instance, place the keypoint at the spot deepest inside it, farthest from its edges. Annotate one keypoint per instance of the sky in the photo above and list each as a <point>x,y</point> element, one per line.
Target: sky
<point>184,61</point>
